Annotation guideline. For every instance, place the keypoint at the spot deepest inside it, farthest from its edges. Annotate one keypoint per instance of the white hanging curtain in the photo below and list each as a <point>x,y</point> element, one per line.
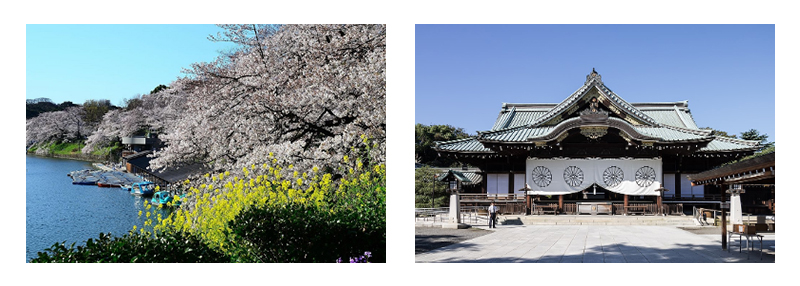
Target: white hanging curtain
<point>638,177</point>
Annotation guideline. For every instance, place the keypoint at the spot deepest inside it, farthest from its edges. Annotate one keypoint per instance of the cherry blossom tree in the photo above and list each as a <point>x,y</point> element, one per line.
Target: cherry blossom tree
<point>152,112</point>
<point>57,126</point>
<point>306,93</point>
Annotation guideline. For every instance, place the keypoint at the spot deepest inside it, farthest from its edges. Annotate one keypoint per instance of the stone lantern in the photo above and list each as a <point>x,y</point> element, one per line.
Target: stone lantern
<point>454,179</point>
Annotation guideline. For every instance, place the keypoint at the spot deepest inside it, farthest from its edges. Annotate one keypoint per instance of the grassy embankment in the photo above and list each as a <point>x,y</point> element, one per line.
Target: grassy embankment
<point>72,149</point>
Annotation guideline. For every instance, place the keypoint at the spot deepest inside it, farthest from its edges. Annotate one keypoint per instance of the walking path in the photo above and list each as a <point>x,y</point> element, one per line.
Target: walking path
<point>596,244</point>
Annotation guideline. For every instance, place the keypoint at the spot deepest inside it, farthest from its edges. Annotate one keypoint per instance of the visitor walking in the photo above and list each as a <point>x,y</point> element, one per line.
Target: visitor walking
<point>492,216</point>
<point>704,218</point>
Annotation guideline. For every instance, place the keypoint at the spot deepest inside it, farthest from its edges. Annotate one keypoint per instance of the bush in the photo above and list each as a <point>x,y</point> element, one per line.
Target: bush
<point>134,247</point>
<point>350,223</point>
<point>302,233</point>
<point>242,214</point>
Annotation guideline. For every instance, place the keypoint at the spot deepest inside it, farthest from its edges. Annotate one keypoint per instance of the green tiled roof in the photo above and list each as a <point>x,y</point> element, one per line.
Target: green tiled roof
<point>458,175</point>
<point>666,122</point>
<point>671,134</point>
<point>467,145</point>
<point>725,144</point>
<point>675,114</point>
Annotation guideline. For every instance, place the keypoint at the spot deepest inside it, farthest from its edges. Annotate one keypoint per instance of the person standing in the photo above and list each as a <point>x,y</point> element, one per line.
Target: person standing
<point>492,216</point>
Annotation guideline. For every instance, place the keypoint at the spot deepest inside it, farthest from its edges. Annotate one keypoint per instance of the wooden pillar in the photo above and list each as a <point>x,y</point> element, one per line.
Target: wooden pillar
<point>484,184</point>
<point>724,224</point>
<point>625,205</point>
<point>560,203</point>
<point>678,167</point>
<point>528,204</point>
<point>510,183</point>
<point>659,203</point>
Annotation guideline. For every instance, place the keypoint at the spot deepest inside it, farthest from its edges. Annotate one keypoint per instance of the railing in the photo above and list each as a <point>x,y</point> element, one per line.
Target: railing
<point>673,209</point>
<point>433,214</point>
<point>490,197</point>
<point>149,176</point>
<point>617,208</point>
<point>693,197</point>
<point>512,208</point>
<point>474,215</point>
<point>747,218</point>
<point>539,209</point>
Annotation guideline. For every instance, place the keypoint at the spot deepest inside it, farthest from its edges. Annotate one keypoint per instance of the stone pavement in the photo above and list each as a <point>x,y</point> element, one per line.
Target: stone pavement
<point>596,244</point>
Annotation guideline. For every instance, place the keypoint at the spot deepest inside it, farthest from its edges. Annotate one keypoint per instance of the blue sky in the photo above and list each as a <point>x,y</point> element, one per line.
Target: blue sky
<point>80,62</point>
<point>463,73</point>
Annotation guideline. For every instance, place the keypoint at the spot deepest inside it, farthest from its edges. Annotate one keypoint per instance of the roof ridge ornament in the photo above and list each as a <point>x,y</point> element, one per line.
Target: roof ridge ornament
<point>594,114</point>
<point>593,75</point>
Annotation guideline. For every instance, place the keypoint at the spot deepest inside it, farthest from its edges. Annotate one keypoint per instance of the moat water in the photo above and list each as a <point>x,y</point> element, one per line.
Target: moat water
<point>58,211</point>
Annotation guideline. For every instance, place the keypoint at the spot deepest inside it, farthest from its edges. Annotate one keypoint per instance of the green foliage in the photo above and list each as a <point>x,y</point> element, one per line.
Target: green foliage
<point>428,191</point>
<point>228,212</point>
<point>65,148</point>
<point>266,213</point>
<point>158,88</point>
<point>719,132</point>
<point>34,108</point>
<point>303,233</point>
<point>115,147</point>
<point>95,109</point>
<point>133,247</point>
<point>424,138</point>
<point>754,135</point>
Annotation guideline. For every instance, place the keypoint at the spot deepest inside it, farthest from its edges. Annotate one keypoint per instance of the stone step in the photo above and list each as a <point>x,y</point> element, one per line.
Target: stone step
<point>596,220</point>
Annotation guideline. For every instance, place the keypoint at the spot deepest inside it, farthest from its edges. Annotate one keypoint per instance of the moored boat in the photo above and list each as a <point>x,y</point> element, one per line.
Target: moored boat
<point>109,184</point>
<point>164,198</point>
<point>143,188</point>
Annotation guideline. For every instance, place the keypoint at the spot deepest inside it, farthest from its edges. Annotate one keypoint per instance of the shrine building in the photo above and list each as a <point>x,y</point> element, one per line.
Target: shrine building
<point>594,152</point>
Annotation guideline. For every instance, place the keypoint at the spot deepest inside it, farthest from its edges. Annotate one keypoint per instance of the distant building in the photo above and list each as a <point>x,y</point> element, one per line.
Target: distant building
<point>136,144</point>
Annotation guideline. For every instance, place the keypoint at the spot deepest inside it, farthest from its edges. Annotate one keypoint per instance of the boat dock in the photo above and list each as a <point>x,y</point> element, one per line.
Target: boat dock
<point>103,178</point>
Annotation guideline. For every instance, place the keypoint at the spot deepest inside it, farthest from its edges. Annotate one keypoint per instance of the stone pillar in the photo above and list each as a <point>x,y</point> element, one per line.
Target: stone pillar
<point>455,213</point>
<point>455,208</point>
<point>736,209</point>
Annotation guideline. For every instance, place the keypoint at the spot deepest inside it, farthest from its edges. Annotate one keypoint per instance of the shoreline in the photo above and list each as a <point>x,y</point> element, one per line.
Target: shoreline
<point>77,157</point>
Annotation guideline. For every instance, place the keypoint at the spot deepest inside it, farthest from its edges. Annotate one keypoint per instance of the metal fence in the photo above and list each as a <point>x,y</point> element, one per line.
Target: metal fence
<point>473,215</point>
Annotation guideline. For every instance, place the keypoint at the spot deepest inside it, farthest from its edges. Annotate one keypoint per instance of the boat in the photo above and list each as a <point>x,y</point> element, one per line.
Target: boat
<point>109,184</point>
<point>126,187</point>
<point>143,188</point>
<point>90,180</point>
<point>163,198</point>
